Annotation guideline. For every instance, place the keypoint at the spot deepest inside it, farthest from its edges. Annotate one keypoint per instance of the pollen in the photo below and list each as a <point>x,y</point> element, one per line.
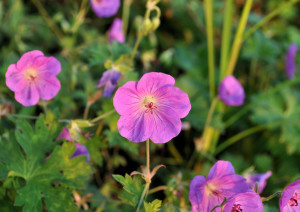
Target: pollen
<point>31,74</point>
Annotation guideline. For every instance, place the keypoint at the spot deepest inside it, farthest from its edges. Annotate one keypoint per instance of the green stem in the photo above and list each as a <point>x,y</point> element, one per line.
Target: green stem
<point>147,177</point>
<point>126,14</point>
<point>265,199</point>
<point>237,115</point>
<point>244,134</point>
<point>48,19</point>
<point>269,17</point>
<point>226,37</point>
<point>208,4</point>
<point>238,40</point>
<point>211,111</point>
<point>103,116</point>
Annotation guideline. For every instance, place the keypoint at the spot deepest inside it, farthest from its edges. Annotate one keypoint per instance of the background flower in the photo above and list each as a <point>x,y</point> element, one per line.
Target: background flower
<point>105,8</point>
<point>115,32</point>
<point>222,182</point>
<point>109,80</point>
<point>261,179</point>
<point>33,77</point>
<point>290,64</point>
<point>231,92</point>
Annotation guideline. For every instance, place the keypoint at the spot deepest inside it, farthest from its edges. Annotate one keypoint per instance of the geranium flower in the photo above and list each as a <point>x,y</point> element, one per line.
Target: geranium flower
<point>290,65</point>
<point>115,32</point>
<point>33,77</point>
<point>105,8</point>
<point>244,202</point>
<point>109,80</point>
<point>261,179</point>
<point>151,108</point>
<point>290,198</point>
<point>231,92</point>
<point>222,182</point>
<point>80,149</point>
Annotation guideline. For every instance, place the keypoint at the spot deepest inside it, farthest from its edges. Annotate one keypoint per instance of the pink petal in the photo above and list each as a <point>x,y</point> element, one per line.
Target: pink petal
<point>136,127</point>
<point>126,100</point>
<point>174,98</point>
<point>152,81</point>
<point>15,79</point>
<point>196,194</point>
<point>48,87</point>
<point>221,168</point>
<point>28,96</point>
<point>47,66</point>
<point>28,58</point>
<point>166,124</point>
<point>287,194</point>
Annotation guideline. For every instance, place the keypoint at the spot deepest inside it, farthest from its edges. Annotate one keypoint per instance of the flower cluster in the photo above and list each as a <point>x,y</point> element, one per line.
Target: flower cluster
<point>239,193</point>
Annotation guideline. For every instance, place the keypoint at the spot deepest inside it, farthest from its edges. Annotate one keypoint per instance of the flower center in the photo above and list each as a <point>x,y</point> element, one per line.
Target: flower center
<point>150,107</point>
<point>236,208</point>
<point>294,200</point>
<point>211,189</point>
<point>31,74</point>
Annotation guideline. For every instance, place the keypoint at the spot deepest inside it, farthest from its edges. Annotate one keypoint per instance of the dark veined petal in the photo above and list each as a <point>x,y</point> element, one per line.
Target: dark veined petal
<point>29,96</point>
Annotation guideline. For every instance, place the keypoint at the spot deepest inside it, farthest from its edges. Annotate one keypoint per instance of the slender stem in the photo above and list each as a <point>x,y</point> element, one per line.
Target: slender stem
<point>86,111</point>
<point>265,199</point>
<point>158,188</point>
<point>211,111</point>
<point>148,158</point>
<point>208,4</point>
<point>142,197</point>
<point>238,40</point>
<point>48,19</point>
<point>244,134</point>
<point>148,175</point>
<point>269,17</point>
<point>226,37</point>
<point>103,116</point>
<point>126,14</point>
<point>237,115</point>
<point>23,116</point>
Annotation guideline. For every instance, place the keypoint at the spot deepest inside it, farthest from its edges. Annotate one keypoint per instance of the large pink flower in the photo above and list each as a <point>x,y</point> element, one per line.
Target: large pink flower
<point>33,77</point>
<point>151,108</point>
<point>222,182</point>
<point>290,198</point>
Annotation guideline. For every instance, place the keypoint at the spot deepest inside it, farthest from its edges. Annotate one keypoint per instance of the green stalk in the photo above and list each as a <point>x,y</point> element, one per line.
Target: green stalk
<point>208,5</point>
<point>269,17</point>
<point>226,38</point>
<point>238,40</point>
<point>125,16</point>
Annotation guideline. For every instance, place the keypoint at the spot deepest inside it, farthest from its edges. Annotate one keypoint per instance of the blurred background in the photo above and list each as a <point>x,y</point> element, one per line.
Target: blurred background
<point>70,31</point>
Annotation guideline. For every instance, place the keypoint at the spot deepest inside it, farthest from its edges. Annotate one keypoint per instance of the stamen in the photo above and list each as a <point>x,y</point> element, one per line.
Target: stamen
<point>294,200</point>
<point>236,208</point>
<point>150,107</point>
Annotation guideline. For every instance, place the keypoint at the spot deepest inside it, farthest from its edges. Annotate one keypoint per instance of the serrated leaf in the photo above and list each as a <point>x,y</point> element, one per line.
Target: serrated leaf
<point>50,180</point>
<point>153,206</point>
<point>133,188</point>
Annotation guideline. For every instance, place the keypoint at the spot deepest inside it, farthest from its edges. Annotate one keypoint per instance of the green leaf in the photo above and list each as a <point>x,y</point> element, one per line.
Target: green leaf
<point>133,188</point>
<point>48,179</point>
<point>153,206</point>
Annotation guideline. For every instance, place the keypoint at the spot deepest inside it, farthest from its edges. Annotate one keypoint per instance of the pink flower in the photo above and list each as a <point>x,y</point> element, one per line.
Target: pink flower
<point>244,202</point>
<point>115,32</point>
<point>33,77</point>
<point>261,179</point>
<point>290,198</point>
<point>105,8</point>
<point>231,92</point>
<point>221,182</point>
<point>151,108</point>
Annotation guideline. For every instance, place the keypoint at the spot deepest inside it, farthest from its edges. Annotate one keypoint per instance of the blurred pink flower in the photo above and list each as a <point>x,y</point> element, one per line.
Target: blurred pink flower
<point>222,182</point>
<point>231,92</point>
<point>290,198</point>
<point>109,80</point>
<point>244,202</point>
<point>105,8</point>
<point>290,64</point>
<point>151,108</point>
<point>115,32</point>
<point>80,149</point>
<point>33,77</point>
<point>261,179</point>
